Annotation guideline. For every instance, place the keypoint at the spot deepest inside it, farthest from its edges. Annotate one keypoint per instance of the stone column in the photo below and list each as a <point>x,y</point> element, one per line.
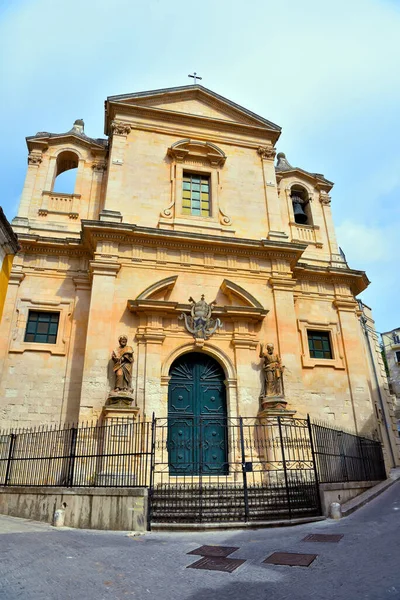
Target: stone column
<point>95,382</point>
<point>276,232</point>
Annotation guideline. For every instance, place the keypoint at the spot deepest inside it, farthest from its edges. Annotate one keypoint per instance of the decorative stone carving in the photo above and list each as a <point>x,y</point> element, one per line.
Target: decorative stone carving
<point>197,152</point>
<point>223,218</point>
<point>120,128</point>
<point>168,212</point>
<point>199,323</point>
<point>34,158</point>
<point>266,152</point>
<point>122,394</point>
<point>324,197</point>
<point>99,166</point>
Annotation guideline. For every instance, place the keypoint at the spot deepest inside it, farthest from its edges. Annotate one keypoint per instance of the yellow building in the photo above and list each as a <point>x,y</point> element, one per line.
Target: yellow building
<point>182,198</point>
<point>8,248</point>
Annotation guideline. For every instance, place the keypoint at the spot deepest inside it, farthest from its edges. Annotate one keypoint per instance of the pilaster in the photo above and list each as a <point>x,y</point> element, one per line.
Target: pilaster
<point>76,354</point>
<point>120,132</point>
<point>354,359</point>
<point>267,155</point>
<point>34,162</point>
<point>287,335</point>
<point>99,342</point>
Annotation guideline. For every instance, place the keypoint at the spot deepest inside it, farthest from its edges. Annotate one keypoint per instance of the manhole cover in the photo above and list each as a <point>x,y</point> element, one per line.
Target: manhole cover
<point>323,537</point>
<point>214,563</point>
<point>218,551</point>
<point>290,559</point>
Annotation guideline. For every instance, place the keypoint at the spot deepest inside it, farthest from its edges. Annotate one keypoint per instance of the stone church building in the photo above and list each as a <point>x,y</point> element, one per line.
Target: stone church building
<point>184,197</point>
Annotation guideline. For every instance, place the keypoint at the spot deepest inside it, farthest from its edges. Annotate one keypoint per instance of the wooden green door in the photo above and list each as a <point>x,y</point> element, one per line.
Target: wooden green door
<point>197,436</point>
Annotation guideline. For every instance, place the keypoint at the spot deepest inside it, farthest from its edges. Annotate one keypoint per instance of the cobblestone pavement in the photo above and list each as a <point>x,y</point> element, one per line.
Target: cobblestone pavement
<point>40,562</point>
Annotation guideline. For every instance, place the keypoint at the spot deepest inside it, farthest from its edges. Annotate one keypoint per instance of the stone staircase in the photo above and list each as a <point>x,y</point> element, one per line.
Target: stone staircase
<point>172,503</point>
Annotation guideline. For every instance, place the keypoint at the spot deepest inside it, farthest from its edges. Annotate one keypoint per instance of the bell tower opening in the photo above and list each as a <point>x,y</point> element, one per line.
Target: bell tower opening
<point>301,205</point>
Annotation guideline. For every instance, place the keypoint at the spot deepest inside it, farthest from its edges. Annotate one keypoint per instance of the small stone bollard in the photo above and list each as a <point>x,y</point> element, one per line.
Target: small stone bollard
<point>59,516</point>
<point>335,511</point>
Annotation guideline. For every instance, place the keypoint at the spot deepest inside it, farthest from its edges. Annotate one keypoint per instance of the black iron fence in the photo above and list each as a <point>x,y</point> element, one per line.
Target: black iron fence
<point>341,456</point>
<point>245,454</point>
<point>113,455</point>
<point>215,469</point>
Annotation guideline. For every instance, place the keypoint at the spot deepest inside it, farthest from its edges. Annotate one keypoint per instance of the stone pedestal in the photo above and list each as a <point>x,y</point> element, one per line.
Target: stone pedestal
<point>120,466</point>
<point>274,406</point>
<point>120,399</point>
<point>115,413</point>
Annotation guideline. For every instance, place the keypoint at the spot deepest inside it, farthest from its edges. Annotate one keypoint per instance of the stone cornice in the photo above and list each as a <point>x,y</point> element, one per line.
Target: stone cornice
<point>357,280</point>
<point>318,181</point>
<point>95,231</point>
<point>346,305</point>
<point>82,283</point>
<point>166,308</point>
<point>282,283</point>
<point>134,111</point>
<point>99,267</point>
<point>36,244</point>
<point>16,277</point>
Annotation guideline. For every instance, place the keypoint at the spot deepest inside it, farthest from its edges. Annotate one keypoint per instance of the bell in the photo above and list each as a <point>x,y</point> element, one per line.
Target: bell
<point>299,214</point>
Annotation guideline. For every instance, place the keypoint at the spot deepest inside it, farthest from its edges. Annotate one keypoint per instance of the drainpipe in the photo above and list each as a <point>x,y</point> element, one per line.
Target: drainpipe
<point>378,387</point>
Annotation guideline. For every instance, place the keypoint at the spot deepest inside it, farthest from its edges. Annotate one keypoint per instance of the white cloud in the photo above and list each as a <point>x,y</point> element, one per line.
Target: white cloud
<point>365,244</point>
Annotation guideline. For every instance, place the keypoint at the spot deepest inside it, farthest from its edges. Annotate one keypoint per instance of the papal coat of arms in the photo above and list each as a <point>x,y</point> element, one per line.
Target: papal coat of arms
<point>199,323</point>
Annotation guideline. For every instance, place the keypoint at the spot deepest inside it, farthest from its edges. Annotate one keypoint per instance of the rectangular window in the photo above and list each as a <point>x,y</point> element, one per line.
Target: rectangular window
<point>397,356</point>
<point>319,344</point>
<point>196,195</point>
<point>42,327</point>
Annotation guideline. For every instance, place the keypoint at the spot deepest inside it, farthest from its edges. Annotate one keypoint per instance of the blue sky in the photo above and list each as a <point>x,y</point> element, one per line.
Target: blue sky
<point>326,72</point>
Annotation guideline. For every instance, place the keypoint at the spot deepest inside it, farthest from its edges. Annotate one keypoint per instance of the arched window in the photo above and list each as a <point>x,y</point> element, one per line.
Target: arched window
<point>66,171</point>
<point>301,205</point>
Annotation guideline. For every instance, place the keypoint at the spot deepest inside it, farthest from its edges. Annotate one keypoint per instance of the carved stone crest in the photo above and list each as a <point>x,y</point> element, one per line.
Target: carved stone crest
<point>199,323</point>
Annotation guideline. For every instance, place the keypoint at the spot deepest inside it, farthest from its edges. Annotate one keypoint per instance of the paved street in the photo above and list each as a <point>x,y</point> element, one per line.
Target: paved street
<point>40,562</point>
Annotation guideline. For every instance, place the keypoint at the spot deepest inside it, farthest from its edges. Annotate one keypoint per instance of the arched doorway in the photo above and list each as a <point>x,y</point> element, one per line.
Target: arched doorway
<point>197,416</point>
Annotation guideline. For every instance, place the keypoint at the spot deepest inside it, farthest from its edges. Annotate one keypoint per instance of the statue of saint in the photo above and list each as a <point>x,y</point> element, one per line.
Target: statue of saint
<point>272,371</point>
<point>123,360</point>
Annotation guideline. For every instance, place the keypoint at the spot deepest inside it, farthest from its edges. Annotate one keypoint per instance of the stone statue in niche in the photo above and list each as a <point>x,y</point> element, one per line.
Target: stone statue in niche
<point>272,372</point>
<point>199,323</point>
<point>122,358</point>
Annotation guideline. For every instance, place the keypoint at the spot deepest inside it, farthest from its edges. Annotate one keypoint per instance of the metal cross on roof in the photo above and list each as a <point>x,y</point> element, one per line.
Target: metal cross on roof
<point>195,77</point>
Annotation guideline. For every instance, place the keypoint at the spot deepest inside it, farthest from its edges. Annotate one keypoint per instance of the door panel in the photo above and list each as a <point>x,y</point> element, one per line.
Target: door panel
<point>198,444</point>
<point>183,454</point>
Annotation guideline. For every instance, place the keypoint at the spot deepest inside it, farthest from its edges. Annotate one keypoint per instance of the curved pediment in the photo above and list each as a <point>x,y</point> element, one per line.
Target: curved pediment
<point>188,149</point>
<point>157,289</point>
<point>231,290</point>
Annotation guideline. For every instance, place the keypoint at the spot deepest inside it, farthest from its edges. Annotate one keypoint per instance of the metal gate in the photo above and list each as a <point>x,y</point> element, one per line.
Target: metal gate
<point>269,471</point>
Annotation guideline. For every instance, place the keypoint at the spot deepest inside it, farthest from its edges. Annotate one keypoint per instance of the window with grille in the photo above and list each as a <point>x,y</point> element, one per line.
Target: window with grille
<point>319,344</point>
<point>196,195</point>
<point>42,327</point>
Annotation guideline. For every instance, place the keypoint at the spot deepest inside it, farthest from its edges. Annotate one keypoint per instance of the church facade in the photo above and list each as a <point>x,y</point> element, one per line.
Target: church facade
<point>186,234</point>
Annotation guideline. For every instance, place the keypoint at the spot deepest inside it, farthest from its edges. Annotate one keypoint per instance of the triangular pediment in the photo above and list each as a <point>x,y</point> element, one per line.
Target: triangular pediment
<point>197,101</point>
